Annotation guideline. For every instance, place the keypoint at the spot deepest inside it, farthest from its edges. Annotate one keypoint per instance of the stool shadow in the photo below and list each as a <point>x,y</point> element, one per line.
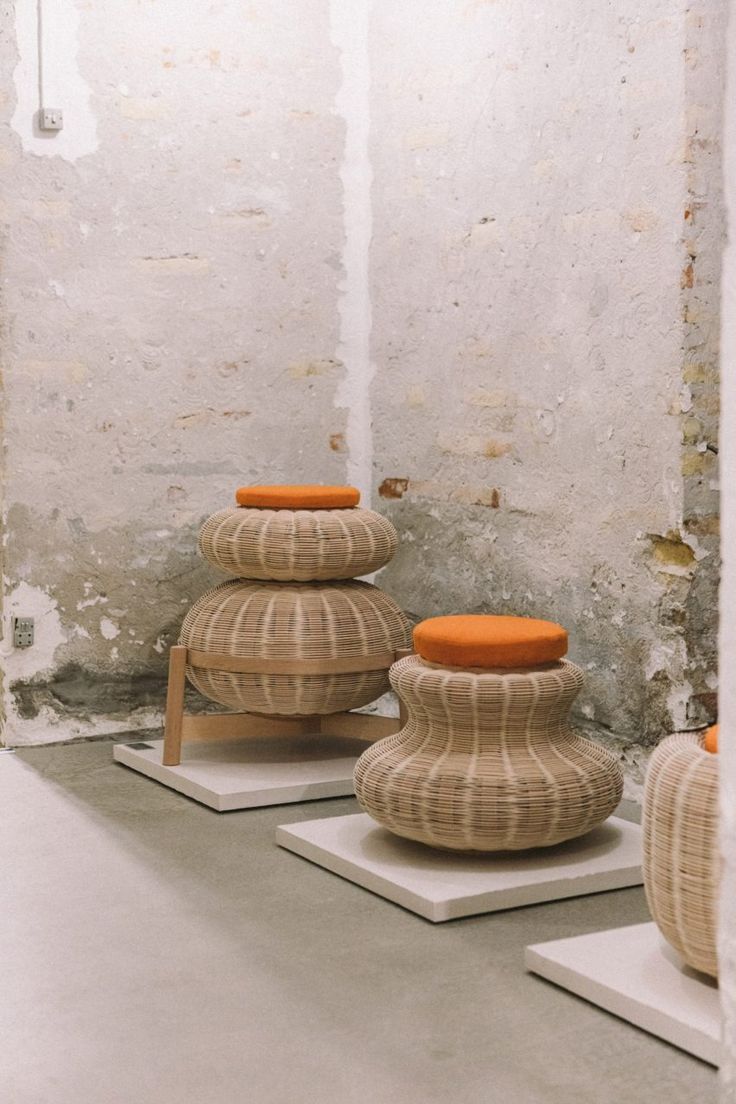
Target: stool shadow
<point>382,846</point>
<point>674,959</point>
<point>272,749</point>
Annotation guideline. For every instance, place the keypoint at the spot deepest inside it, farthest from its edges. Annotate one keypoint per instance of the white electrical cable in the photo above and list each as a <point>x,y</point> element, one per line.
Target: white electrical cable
<point>39,32</point>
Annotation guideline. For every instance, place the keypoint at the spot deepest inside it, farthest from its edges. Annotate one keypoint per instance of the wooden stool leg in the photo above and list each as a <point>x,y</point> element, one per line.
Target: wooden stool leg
<point>175,705</point>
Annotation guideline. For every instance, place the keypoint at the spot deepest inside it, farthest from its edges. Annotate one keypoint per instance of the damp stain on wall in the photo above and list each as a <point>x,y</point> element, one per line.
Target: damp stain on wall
<point>557,431</point>
<point>518,352</point>
<point>170,330</point>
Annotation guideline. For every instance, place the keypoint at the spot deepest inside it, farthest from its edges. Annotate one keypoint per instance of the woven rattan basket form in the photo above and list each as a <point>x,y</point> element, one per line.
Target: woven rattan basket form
<point>681,861</point>
<point>271,622</point>
<point>487,761</point>
<point>295,642</point>
<point>300,545</point>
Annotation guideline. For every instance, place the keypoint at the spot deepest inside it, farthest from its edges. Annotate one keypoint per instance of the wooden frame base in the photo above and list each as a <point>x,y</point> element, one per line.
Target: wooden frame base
<point>180,726</point>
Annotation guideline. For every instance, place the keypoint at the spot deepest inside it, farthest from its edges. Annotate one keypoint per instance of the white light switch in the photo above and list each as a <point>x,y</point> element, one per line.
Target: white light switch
<point>51,118</point>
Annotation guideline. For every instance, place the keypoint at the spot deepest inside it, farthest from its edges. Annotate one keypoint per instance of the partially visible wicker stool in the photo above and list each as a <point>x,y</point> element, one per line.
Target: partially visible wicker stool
<point>296,641</point>
<point>487,760</point>
<point>681,858</point>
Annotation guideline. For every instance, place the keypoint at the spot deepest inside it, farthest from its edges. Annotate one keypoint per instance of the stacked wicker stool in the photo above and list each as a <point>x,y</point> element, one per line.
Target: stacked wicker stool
<point>295,638</point>
<point>681,858</point>
<point>487,760</point>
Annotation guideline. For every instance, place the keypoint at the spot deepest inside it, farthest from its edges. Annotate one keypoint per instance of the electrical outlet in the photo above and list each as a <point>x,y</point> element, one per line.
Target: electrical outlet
<point>51,118</point>
<point>22,632</point>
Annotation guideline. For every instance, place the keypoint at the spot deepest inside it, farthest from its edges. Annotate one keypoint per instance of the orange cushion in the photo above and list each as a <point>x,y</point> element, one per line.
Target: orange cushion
<point>711,739</point>
<point>299,496</point>
<point>482,640</point>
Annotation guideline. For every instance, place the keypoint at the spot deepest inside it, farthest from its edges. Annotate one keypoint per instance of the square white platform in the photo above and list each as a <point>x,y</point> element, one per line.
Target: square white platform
<point>633,973</point>
<point>251,773</point>
<point>441,886</point>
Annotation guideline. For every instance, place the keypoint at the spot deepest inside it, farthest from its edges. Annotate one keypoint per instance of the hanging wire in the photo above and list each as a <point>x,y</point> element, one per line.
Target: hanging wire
<point>39,30</point>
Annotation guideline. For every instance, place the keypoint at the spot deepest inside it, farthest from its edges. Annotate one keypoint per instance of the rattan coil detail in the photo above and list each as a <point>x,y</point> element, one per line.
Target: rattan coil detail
<point>297,545</point>
<point>681,858</point>
<point>294,621</point>
<point>487,760</point>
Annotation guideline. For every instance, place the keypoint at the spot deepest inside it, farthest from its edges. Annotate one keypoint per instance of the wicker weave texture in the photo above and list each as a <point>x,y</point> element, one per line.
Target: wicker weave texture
<point>287,621</point>
<point>487,761</point>
<point>681,861</point>
<point>297,545</point>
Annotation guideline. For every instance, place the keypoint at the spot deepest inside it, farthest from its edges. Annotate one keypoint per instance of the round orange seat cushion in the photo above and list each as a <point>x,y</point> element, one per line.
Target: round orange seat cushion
<point>482,640</point>
<point>298,496</point>
<point>711,739</point>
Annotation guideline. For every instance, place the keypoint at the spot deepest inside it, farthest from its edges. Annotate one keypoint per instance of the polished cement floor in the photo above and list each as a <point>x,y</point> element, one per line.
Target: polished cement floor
<point>156,952</point>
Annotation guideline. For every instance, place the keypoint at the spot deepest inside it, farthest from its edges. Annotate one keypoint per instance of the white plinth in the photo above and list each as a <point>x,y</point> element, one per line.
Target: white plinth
<point>633,973</point>
<point>251,773</point>
<point>439,885</point>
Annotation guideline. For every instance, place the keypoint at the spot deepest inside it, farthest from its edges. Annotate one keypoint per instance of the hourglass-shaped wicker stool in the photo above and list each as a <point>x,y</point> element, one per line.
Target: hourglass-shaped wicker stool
<point>487,760</point>
<point>295,641</point>
<point>681,856</point>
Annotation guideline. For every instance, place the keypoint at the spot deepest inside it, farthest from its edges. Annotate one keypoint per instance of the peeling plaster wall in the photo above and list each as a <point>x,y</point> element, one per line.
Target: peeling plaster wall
<point>704,56</point>
<point>349,32</point>
<point>727,702</point>
<point>545,298</point>
<point>170,271</point>
<point>471,247</point>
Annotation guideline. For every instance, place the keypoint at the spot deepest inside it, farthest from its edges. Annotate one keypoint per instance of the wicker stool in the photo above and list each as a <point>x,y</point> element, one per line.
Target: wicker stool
<point>681,858</point>
<point>487,761</point>
<point>296,639</point>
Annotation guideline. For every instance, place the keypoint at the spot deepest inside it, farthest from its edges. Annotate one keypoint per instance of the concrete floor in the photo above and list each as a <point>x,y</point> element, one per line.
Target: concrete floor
<point>156,952</point>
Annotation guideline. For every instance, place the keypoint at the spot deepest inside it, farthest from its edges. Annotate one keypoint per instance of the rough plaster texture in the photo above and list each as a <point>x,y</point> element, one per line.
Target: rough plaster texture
<point>727,697</point>
<point>545,293</point>
<point>349,24</point>
<point>491,231</point>
<point>170,295</point>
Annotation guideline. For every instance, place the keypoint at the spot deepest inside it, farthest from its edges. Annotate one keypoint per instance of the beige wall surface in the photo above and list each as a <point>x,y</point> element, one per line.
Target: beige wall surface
<point>171,264</point>
<point>727,702</point>
<point>545,320</point>
<point>465,253</point>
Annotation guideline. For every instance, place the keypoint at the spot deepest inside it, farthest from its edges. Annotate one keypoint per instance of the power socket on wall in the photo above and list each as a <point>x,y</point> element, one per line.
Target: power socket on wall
<point>51,118</point>
<point>23,630</point>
